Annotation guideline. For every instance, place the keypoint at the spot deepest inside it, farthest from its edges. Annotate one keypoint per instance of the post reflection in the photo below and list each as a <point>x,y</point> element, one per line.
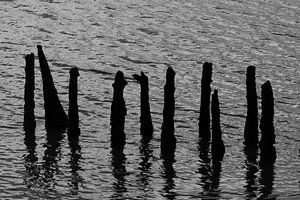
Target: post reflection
<point>168,172</point>
<point>51,155</point>
<point>145,166</point>
<point>215,178</point>
<point>252,168</point>
<point>30,160</point>
<point>119,172</point>
<point>267,174</point>
<point>75,156</point>
<point>210,169</point>
<point>204,168</point>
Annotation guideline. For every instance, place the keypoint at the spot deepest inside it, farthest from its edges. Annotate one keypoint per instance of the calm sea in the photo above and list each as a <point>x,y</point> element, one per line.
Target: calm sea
<point>102,37</point>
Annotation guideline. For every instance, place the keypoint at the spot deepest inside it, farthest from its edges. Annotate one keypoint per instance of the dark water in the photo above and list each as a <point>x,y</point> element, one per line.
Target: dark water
<point>101,37</point>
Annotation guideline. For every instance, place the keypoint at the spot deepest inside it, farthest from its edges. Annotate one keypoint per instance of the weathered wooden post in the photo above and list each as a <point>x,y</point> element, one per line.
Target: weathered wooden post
<point>251,125</point>
<point>29,117</point>
<point>73,126</point>
<point>145,118</point>
<point>55,115</point>
<point>268,152</point>
<point>217,148</point>
<point>118,112</point>
<point>204,118</point>
<point>168,139</point>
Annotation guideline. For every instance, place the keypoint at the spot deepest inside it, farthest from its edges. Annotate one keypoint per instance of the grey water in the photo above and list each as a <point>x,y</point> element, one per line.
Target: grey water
<point>102,37</point>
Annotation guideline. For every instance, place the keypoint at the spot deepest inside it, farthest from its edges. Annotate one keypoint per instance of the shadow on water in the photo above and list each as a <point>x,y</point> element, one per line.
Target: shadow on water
<point>119,172</point>
<point>146,152</point>
<point>266,179</point>
<point>258,187</point>
<point>204,168</point>
<point>51,156</point>
<point>210,170</point>
<point>32,173</point>
<point>75,156</point>
<point>169,173</point>
<point>251,173</point>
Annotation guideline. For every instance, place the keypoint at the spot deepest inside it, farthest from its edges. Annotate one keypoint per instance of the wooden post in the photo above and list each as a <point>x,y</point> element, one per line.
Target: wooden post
<point>29,117</point>
<point>118,112</point>
<point>217,148</point>
<point>145,118</point>
<point>251,125</point>
<point>268,152</point>
<point>73,128</point>
<point>204,118</point>
<point>55,115</point>
<point>168,139</point>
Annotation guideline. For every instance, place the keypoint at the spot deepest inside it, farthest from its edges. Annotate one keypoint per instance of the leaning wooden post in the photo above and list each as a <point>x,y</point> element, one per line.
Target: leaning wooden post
<point>204,118</point>
<point>145,118</point>
<point>73,127</point>
<point>251,125</point>
<point>266,126</point>
<point>118,112</point>
<point>54,113</point>
<point>29,118</point>
<point>168,139</point>
<point>217,148</point>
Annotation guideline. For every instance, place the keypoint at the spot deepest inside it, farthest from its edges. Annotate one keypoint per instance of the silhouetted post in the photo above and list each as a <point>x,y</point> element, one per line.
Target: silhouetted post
<point>204,118</point>
<point>217,148</point>
<point>54,112</point>
<point>73,129</point>
<point>145,118</point>
<point>266,126</point>
<point>29,118</point>
<point>251,126</point>
<point>118,112</point>
<point>168,139</point>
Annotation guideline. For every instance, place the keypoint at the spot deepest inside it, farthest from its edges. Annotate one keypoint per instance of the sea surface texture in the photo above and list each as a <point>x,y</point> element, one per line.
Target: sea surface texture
<point>102,37</point>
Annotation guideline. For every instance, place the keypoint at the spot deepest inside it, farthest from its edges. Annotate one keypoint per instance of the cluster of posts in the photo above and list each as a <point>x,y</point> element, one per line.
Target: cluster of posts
<point>57,121</point>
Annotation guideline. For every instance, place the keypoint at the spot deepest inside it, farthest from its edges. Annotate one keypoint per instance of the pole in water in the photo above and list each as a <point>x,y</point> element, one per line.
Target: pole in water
<point>217,148</point>
<point>29,117</point>
<point>251,125</point>
<point>268,152</point>
<point>204,118</point>
<point>54,113</point>
<point>118,112</point>
<point>73,127</point>
<point>168,139</point>
<point>145,118</point>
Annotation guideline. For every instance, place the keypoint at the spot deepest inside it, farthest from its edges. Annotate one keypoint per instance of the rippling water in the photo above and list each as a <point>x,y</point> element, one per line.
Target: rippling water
<point>101,37</point>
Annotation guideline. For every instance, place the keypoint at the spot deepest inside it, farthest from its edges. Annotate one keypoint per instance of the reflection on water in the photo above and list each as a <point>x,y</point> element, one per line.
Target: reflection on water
<point>102,37</point>
<point>168,173</point>
<point>30,161</point>
<point>146,152</point>
<point>252,168</point>
<point>210,170</point>
<point>51,156</point>
<point>119,173</point>
<point>267,174</point>
<point>75,156</point>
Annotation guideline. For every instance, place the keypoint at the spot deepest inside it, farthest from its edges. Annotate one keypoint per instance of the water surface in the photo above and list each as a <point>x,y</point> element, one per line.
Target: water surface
<point>102,37</point>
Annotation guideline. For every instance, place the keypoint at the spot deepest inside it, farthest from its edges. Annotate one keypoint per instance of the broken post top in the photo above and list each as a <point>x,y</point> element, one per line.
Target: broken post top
<point>267,105</point>
<point>74,72</point>
<point>206,73</point>
<point>142,79</point>
<point>42,58</point>
<point>251,71</point>
<point>120,81</point>
<point>29,58</point>
<point>267,90</point>
<point>170,74</point>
